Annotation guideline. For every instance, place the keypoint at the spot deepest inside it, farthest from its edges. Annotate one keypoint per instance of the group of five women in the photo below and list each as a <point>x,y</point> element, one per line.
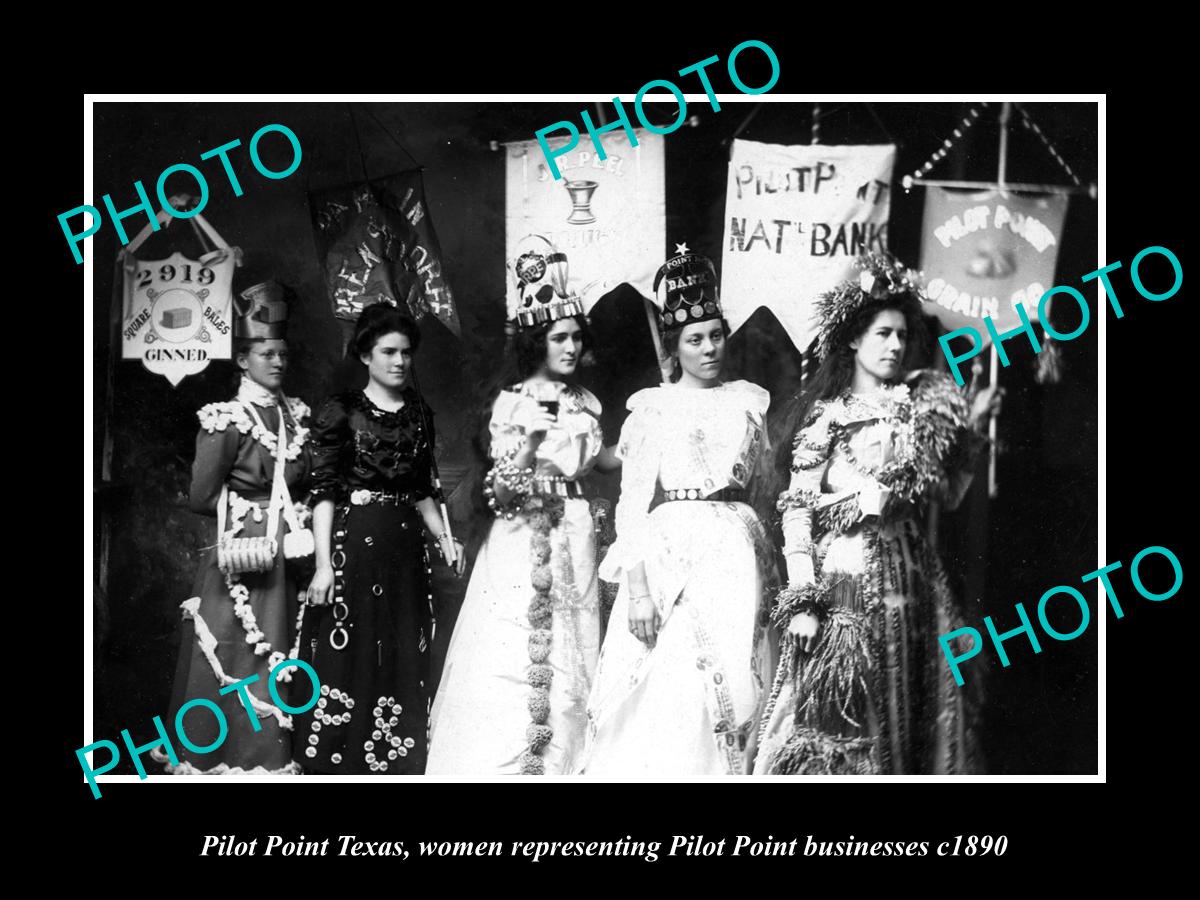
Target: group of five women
<point>711,663</point>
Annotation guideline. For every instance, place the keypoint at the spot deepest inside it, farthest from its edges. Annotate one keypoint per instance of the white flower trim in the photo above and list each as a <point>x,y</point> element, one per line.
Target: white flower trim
<point>285,675</point>
<point>303,514</point>
<point>208,646</point>
<point>245,614</point>
<point>218,416</point>
<point>238,507</point>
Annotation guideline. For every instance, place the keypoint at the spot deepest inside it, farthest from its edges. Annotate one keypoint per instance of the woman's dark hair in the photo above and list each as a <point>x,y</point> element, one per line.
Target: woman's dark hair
<point>836,372</point>
<point>524,357</point>
<point>670,340</point>
<point>526,354</point>
<point>378,320</point>
<point>834,376</point>
<point>242,346</point>
<point>529,352</point>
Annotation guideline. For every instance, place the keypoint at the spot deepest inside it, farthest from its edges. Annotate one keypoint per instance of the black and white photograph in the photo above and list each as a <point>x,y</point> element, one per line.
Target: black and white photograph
<point>430,440</point>
<point>699,432</point>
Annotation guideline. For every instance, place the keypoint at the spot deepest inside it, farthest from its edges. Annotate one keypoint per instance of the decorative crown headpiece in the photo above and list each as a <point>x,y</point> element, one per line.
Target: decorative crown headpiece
<point>689,289</point>
<point>538,290</point>
<point>882,276</point>
<point>261,312</point>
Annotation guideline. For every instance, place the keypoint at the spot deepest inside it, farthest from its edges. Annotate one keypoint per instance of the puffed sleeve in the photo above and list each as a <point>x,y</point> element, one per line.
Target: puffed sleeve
<point>331,435</point>
<point>571,447</point>
<point>216,453</point>
<point>639,454</point>
<point>507,435</point>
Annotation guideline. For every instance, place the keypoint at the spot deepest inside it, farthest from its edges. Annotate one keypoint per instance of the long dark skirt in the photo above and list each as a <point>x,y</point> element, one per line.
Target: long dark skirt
<point>214,652</point>
<point>373,712</point>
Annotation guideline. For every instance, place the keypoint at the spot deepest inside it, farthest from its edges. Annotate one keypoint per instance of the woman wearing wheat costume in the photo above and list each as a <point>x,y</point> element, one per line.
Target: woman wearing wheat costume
<point>862,687</point>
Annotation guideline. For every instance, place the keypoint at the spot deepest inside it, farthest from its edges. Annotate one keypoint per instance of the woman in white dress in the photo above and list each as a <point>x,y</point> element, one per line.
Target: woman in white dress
<point>686,660</point>
<point>512,699</point>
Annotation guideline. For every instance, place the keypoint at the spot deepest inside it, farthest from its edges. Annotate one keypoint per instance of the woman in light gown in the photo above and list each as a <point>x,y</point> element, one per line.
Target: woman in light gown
<point>521,658</point>
<point>861,686</point>
<point>686,661</point>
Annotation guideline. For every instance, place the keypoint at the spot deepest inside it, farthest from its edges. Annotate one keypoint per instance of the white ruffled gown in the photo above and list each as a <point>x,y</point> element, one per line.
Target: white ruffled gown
<point>690,705</point>
<point>481,713</point>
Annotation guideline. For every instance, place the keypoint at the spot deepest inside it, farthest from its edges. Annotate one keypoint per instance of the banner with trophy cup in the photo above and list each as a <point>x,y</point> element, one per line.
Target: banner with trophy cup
<point>607,215</point>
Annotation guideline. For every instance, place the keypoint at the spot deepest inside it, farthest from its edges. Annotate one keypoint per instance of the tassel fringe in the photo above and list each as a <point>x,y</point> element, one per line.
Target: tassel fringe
<point>811,752</point>
<point>834,682</point>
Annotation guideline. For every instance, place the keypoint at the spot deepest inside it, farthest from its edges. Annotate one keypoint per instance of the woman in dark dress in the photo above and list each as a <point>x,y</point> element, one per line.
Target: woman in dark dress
<point>237,626</point>
<point>369,630</point>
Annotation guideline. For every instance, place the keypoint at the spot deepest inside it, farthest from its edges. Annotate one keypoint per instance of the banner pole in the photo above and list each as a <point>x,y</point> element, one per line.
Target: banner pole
<point>664,362</point>
<point>994,373</point>
<point>910,182</point>
<point>992,376</point>
<point>451,550</point>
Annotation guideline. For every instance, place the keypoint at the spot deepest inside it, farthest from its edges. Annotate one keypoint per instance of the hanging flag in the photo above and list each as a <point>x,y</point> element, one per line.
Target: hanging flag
<point>378,245</point>
<point>796,217</point>
<point>983,253</point>
<point>607,215</point>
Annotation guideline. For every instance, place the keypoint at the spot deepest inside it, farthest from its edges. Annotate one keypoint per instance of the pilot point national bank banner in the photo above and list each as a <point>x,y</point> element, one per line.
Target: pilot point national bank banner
<point>796,217</point>
<point>606,215</point>
<point>984,252</point>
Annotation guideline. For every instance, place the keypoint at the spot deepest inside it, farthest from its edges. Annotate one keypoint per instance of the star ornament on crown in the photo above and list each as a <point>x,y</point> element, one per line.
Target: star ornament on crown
<point>881,276</point>
<point>685,289</point>
<point>538,284</point>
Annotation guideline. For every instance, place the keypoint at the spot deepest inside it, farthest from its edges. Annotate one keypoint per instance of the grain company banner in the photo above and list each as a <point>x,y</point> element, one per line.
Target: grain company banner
<point>982,253</point>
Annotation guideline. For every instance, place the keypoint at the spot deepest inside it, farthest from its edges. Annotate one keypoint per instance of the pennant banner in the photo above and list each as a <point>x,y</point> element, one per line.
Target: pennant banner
<point>796,217</point>
<point>378,245</point>
<point>982,253</point>
<point>606,215</point>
